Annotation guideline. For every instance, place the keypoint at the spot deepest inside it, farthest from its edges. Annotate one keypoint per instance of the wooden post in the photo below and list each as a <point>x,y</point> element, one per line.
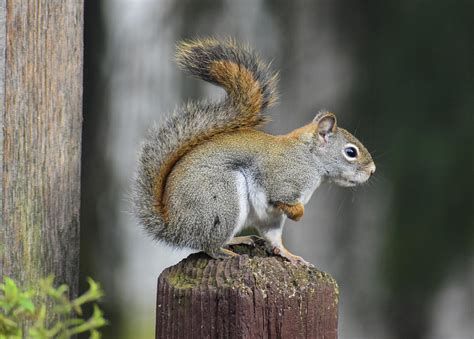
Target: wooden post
<point>251,296</point>
<point>40,139</point>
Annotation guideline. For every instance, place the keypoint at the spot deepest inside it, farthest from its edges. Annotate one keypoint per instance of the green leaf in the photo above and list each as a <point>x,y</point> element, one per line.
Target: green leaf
<point>55,330</point>
<point>63,309</point>
<point>37,333</point>
<point>27,304</point>
<point>58,293</point>
<point>95,335</point>
<point>46,283</point>
<point>74,322</point>
<point>92,294</point>
<point>7,324</point>
<point>5,305</point>
<point>93,323</point>
<point>10,289</point>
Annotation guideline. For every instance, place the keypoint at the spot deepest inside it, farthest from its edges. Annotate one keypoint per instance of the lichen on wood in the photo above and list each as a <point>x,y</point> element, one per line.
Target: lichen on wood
<point>255,295</point>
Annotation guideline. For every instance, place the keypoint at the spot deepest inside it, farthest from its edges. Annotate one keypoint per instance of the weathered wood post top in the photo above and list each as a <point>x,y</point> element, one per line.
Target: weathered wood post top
<point>251,296</point>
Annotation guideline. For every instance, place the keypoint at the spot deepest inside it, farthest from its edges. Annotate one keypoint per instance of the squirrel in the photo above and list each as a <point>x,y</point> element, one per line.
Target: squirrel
<point>208,172</point>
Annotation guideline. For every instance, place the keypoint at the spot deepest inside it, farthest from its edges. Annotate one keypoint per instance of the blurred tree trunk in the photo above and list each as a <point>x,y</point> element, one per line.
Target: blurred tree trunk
<point>100,245</point>
<point>40,136</point>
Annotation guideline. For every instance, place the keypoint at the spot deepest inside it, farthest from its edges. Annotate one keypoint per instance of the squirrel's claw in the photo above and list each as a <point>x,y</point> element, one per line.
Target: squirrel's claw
<point>294,259</point>
<point>222,253</point>
<point>250,240</point>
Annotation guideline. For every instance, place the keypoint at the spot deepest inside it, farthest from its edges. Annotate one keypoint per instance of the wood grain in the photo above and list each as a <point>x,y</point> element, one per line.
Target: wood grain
<point>41,119</point>
<point>252,296</point>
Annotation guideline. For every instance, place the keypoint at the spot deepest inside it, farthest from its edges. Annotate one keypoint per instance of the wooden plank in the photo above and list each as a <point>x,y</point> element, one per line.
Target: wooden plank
<point>250,296</point>
<point>3,41</point>
<point>41,116</point>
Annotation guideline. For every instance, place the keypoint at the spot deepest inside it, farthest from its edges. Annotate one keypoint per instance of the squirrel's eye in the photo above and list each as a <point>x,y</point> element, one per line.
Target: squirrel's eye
<point>351,152</point>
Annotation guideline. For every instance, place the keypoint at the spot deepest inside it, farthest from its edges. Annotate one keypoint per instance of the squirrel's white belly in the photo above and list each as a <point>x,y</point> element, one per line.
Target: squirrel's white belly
<point>243,202</point>
<point>254,209</point>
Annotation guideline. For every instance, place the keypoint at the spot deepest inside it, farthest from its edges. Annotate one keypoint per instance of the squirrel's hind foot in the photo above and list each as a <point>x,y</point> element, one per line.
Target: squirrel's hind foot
<point>222,253</point>
<point>250,240</point>
<point>294,259</point>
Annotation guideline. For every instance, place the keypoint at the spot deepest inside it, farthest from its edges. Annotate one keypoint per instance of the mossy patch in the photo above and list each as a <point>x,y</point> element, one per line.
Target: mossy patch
<point>255,268</point>
<point>182,281</point>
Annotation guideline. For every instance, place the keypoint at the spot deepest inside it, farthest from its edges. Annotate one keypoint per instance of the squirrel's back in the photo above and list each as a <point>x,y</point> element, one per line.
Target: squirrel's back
<point>250,87</point>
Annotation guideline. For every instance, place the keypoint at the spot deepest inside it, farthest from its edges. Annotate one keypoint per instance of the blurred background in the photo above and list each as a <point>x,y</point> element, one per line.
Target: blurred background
<point>399,74</point>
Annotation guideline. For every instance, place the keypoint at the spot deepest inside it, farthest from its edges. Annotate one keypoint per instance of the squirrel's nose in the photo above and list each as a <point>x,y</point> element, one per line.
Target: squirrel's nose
<point>372,168</point>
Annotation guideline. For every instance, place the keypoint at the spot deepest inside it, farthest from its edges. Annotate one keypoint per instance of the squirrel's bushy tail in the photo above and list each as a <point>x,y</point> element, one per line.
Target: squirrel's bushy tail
<point>250,87</point>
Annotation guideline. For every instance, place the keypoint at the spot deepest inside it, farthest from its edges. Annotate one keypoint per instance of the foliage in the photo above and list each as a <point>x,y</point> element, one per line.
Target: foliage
<point>19,307</point>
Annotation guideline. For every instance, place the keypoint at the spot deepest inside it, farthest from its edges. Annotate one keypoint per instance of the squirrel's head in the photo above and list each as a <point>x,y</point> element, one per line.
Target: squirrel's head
<point>345,160</point>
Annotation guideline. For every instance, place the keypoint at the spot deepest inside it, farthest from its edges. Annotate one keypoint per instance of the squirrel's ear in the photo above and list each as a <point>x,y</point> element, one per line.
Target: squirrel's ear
<point>325,124</point>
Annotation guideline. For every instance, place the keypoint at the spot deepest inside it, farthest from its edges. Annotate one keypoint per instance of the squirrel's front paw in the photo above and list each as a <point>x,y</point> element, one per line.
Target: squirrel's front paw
<point>294,259</point>
<point>293,211</point>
